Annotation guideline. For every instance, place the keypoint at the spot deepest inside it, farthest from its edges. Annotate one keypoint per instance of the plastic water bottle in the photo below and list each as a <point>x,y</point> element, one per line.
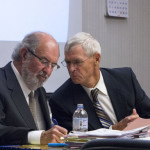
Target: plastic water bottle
<point>80,119</point>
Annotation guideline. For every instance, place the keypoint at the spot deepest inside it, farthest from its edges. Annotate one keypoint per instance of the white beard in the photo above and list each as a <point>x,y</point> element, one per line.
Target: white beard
<point>30,78</point>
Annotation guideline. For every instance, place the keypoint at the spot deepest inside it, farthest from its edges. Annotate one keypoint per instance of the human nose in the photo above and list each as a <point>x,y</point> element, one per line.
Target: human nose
<point>48,70</point>
<point>71,67</point>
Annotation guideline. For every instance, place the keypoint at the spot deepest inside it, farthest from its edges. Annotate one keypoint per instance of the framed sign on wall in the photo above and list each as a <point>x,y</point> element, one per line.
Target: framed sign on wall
<point>117,8</point>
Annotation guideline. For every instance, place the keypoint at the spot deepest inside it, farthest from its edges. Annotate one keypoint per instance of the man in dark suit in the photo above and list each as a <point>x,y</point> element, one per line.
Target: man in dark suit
<point>33,62</point>
<point>119,93</point>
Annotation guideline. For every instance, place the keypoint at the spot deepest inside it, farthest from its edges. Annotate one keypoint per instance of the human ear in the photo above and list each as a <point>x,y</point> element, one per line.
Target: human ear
<point>23,54</point>
<point>97,58</point>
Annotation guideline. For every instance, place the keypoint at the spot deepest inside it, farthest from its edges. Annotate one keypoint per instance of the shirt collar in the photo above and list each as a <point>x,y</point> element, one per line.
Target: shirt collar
<point>24,88</point>
<point>100,85</point>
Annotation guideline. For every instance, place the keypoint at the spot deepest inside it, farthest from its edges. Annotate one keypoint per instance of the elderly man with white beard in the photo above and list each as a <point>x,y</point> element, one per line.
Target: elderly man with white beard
<point>34,59</point>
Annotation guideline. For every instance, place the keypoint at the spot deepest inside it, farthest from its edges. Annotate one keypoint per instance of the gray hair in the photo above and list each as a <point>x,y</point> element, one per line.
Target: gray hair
<point>89,44</point>
<point>30,41</point>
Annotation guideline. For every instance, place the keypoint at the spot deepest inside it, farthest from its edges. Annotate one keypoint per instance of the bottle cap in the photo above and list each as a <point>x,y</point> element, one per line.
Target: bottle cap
<point>80,105</point>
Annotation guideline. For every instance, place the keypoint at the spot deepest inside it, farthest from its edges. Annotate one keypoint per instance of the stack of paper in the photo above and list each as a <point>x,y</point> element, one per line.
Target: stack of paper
<point>107,133</point>
<point>75,138</point>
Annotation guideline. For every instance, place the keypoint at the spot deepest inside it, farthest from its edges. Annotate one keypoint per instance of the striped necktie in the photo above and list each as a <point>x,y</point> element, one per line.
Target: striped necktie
<point>32,106</point>
<point>103,117</point>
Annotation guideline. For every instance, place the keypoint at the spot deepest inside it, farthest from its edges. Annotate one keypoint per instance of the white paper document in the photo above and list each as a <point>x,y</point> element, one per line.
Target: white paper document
<point>107,133</point>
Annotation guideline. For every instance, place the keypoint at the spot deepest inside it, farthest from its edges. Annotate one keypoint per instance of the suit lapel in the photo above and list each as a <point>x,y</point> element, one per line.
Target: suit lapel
<point>115,94</point>
<point>80,96</point>
<point>18,97</point>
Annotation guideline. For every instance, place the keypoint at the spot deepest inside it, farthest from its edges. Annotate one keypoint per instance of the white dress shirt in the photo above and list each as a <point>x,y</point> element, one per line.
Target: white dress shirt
<point>33,136</point>
<point>104,98</point>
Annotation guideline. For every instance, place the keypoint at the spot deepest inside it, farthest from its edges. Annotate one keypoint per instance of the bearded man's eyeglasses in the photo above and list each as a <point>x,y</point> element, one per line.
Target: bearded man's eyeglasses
<point>44,61</point>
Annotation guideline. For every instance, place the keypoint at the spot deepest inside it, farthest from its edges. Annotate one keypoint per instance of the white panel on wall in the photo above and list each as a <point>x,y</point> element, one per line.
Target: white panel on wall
<point>19,17</point>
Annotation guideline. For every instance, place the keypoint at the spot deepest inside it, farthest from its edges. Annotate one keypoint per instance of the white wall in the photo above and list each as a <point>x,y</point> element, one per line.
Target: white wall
<point>19,17</point>
<point>74,25</point>
<point>124,42</point>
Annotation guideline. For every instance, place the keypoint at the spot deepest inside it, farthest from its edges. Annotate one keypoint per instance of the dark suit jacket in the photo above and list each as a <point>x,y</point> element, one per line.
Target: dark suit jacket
<point>123,89</point>
<point>15,117</point>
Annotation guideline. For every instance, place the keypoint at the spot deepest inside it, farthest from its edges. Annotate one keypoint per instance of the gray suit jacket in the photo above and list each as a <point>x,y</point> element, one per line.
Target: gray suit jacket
<point>123,89</point>
<point>15,117</point>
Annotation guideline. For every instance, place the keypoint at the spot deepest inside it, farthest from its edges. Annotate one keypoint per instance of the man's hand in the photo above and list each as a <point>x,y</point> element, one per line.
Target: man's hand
<point>124,122</point>
<point>53,135</point>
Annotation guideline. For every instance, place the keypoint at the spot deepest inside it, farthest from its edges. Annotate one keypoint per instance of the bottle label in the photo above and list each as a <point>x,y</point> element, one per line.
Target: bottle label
<point>80,124</point>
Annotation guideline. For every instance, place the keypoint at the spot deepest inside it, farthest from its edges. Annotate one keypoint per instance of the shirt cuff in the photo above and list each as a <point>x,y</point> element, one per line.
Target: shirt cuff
<point>34,136</point>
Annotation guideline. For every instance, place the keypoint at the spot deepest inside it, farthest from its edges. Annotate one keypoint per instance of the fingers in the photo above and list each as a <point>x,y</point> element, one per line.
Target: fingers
<point>121,125</point>
<point>53,135</point>
<point>124,122</point>
<point>59,132</point>
<point>134,112</point>
<point>131,118</point>
<point>61,129</point>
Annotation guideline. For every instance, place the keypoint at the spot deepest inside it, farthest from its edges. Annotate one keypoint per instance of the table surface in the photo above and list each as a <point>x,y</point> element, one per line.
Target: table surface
<point>36,147</point>
<point>45,147</point>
